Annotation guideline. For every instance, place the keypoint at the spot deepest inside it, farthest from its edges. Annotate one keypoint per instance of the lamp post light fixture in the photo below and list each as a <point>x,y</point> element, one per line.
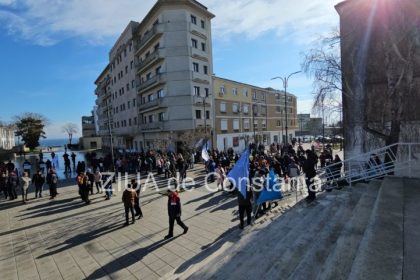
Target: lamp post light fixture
<point>285,81</point>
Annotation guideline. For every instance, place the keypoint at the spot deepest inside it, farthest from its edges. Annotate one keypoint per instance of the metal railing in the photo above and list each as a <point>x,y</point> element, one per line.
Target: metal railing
<point>400,159</point>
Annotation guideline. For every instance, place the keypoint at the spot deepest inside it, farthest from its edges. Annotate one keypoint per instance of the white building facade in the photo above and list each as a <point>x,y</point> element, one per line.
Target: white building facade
<point>7,137</point>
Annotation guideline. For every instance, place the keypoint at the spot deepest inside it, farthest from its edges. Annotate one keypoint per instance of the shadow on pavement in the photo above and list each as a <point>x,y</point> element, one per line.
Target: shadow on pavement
<point>128,259</point>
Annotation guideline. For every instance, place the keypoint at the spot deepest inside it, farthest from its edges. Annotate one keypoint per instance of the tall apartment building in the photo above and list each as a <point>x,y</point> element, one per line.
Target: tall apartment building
<point>123,90</point>
<point>245,113</point>
<point>104,107</point>
<point>7,137</point>
<point>173,72</point>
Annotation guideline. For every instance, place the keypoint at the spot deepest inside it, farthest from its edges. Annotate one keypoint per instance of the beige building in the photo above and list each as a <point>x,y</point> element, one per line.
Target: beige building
<point>7,137</point>
<point>248,114</point>
<point>104,107</point>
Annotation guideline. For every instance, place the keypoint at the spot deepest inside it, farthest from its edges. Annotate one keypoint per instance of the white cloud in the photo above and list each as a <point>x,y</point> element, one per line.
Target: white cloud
<point>7,2</point>
<point>46,22</point>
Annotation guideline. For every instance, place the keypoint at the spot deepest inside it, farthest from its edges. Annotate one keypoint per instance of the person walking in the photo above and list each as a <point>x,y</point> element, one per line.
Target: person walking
<point>137,188</point>
<point>129,198</point>
<point>52,181</point>
<point>91,177</point>
<point>73,159</point>
<point>174,213</point>
<point>98,181</point>
<point>38,180</point>
<point>25,182</point>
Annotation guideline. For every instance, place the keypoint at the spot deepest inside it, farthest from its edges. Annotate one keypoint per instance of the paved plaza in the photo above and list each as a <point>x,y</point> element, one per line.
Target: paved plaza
<point>65,239</point>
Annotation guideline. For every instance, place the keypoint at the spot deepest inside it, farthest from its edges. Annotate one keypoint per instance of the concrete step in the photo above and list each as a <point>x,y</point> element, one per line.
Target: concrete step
<point>260,252</point>
<point>411,269</point>
<point>339,261</point>
<point>380,254</point>
<point>280,259</point>
<point>323,242</point>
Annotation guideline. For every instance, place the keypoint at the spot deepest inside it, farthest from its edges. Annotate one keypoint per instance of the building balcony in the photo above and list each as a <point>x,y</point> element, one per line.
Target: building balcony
<point>152,126</point>
<point>157,103</point>
<point>154,81</point>
<point>197,30</point>
<point>156,31</point>
<point>201,123</point>
<point>198,101</point>
<point>155,57</point>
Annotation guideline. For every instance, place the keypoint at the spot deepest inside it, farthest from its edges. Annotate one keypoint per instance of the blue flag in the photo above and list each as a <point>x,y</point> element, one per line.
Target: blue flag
<point>239,175</point>
<point>272,191</point>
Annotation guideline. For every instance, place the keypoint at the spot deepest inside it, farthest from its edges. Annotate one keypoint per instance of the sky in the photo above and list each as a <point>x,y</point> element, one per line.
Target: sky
<point>52,51</point>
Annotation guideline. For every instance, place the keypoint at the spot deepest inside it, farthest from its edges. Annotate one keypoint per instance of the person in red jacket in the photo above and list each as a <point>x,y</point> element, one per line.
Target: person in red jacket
<point>174,213</point>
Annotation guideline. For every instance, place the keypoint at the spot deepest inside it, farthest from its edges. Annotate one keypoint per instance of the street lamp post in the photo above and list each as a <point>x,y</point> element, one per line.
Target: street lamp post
<point>285,81</point>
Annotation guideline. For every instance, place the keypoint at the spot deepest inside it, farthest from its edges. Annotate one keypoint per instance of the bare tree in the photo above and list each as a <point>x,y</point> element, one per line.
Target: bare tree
<point>70,129</point>
<point>323,63</point>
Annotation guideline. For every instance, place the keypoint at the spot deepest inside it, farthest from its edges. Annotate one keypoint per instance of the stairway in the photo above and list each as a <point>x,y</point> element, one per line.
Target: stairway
<point>369,231</point>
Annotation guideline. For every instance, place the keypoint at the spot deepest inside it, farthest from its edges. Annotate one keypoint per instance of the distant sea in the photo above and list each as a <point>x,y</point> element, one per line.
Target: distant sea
<point>54,142</point>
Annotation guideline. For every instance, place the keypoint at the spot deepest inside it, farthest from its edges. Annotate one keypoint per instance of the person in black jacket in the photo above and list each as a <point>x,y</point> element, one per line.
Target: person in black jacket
<point>310,173</point>
<point>174,213</point>
<point>38,180</point>
<point>245,206</point>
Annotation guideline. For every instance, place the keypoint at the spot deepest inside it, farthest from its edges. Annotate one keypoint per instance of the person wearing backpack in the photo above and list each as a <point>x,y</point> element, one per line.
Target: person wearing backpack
<point>83,183</point>
<point>52,181</point>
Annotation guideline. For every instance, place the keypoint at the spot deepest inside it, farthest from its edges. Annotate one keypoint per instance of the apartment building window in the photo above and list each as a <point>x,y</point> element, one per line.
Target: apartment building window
<point>156,47</point>
<point>193,19</point>
<point>115,79</point>
<point>148,76</point>
<point>205,69</point>
<point>254,95</point>
<point>264,124</point>
<point>235,107</point>
<point>194,43</point>
<point>223,107</point>
<point>207,92</point>
<point>196,91</point>
<point>195,67</point>
<point>144,119</point>
<point>129,122</point>
<point>131,64</point>
<point>135,120</point>
<point>129,46</point>
<point>246,108</point>
<point>125,53</point>
<point>151,118</point>
<point>198,114</point>
<point>246,123</point>
<point>245,92</point>
<point>278,123</point>
<point>160,93</point>
<point>278,109</point>
<point>128,104</point>
<point>132,84</point>
<point>157,71</point>
<point>127,86</point>
<point>203,47</point>
<point>122,74</point>
<point>262,96</point>
<point>150,98</point>
<point>161,116</point>
<point>134,102</point>
<point>236,124</point>
<point>255,124</point>
<point>122,91</point>
<point>263,109</point>
<point>224,125</point>
<point>203,24</point>
<point>235,91</point>
<point>207,114</point>
<point>222,90</point>
<point>126,69</point>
